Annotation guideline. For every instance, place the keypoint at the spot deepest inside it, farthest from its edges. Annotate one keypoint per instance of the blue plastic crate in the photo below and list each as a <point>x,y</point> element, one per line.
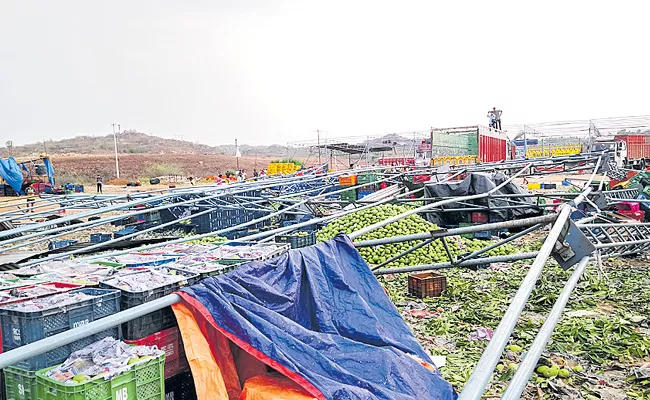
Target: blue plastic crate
<point>100,237</point>
<point>60,244</point>
<point>361,195</point>
<point>124,232</point>
<point>23,327</point>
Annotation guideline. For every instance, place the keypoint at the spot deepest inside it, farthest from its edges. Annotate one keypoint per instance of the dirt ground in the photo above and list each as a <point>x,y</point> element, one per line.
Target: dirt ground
<point>84,168</point>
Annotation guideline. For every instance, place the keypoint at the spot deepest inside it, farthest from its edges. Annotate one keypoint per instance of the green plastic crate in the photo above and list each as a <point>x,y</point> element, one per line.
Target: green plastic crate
<point>142,382</point>
<point>20,384</point>
<point>366,178</point>
<point>467,235</point>
<point>349,195</point>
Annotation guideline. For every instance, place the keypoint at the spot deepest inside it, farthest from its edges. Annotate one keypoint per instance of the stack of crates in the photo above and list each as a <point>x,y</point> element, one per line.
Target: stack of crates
<point>23,327</point>
<point>346,181</point>
<point>159,328</point>
<point>365,179</point>
<point>169,341</point>
<point>156,321</point>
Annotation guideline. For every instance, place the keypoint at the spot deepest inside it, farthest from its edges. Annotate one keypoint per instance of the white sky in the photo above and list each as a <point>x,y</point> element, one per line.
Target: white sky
<point>275,71</point>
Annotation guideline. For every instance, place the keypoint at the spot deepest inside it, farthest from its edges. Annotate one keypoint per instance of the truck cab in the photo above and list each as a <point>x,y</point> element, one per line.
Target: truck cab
<point>620,154</point>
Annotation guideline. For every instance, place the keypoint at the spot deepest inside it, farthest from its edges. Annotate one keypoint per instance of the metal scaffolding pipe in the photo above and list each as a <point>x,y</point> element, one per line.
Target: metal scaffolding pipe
<point>544,219</point>
<point>468,263</point>
<point>484,368</point>
<point>483,371</point>
<point>528,363</point>
<point>250,237</point>
<point>215,233</point>
<point>501,242</point>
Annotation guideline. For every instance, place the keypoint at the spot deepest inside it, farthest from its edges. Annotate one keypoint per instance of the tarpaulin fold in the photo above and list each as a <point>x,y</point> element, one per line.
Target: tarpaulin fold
<point>319,317</point>
<point>479,183</point>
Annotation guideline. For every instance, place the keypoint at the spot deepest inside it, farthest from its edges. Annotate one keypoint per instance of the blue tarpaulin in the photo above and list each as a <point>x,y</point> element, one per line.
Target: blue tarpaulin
<point>320,317</point>
<point>50,169</point>
<point>10,172</point>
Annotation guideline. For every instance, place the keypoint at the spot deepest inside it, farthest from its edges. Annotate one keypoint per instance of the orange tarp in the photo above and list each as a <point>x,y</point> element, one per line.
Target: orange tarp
<point>221,377</point>
<point>265,387</point>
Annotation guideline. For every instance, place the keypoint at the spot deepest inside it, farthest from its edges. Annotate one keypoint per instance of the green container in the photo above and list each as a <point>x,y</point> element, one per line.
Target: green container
<point>349,195</point>
<point>142,382</point>
<point>366,178</point>
<point>20,384</point>
<point>466,235</point>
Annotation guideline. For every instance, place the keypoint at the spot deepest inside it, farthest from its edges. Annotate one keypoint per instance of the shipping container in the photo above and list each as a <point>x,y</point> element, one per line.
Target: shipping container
<point>465,145</point>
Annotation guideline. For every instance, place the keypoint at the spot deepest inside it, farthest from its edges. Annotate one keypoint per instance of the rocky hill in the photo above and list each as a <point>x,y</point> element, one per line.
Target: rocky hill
<point>131,142</point>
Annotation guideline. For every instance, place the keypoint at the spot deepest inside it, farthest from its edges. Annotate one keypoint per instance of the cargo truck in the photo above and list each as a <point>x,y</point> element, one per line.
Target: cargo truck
<point>631,151</point>
<point>462,145</point>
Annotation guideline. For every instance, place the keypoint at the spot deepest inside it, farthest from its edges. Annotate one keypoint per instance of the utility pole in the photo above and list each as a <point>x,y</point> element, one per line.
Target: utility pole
<point>318,134</point>
<point>117,162</point>
<point>237,154</point>
<point>525,144</point>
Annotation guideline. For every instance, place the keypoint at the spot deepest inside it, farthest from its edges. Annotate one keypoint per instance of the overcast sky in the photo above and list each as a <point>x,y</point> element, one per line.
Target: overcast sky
<point>275,71</point>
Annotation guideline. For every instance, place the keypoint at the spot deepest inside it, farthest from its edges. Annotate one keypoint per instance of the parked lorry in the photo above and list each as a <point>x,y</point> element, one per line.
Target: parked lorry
<point>631,151</point>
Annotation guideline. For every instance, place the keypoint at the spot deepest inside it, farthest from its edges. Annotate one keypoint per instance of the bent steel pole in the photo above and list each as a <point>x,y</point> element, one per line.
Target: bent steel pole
<point>396,218</point>
<point>467,263</point>
<point>484,368</point>
<point>517,223</point>
<point>527,365</point>
<point>250,237</point>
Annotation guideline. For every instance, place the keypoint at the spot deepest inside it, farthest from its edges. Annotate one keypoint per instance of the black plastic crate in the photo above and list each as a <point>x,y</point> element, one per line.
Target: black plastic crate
<point>210,222</point>
<point>156,321</point>
<point>297,241</point>
<point>153,216</point>
<point>23,327</point>
<point>180,387</point>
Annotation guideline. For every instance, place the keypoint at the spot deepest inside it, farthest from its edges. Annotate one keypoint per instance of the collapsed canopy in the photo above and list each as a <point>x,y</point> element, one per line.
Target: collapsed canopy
<point>315,315</point>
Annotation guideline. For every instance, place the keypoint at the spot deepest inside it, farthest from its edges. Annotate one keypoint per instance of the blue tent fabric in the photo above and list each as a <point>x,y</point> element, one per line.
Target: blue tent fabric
<point>50,169</point>
<point>320,312</point>
<point>10,172</point>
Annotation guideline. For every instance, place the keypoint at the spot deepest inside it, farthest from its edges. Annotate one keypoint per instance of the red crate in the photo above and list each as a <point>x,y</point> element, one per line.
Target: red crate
<point>426,284</point>
<point>171,343</point>
<point>480,216</point>
<point>637,215</point>
<point>629,206</point>
<point>421,178</point>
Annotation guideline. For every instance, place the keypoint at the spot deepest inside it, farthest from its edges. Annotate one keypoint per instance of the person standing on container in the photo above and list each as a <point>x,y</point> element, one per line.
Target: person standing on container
<point>492,118</point>
<point>100,183</point>
<point>497,118</point>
